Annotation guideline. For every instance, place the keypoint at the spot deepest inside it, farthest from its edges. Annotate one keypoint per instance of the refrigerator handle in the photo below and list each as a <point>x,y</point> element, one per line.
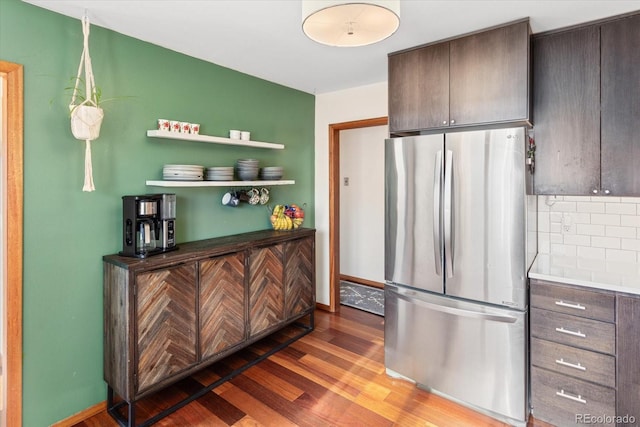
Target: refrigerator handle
<point>448,213</point>
<point>413,298</point>
<point>437,218</point>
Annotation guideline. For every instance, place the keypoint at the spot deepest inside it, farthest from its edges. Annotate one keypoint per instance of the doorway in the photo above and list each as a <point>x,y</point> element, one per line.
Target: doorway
<point>11,193</point>
<point>334,201</point>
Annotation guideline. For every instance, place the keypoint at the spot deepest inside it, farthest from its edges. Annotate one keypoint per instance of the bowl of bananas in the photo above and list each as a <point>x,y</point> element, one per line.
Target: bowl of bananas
<point>287,217</point>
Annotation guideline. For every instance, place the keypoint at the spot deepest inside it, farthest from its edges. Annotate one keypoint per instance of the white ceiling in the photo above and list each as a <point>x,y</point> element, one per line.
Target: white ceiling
<point>263,38</point>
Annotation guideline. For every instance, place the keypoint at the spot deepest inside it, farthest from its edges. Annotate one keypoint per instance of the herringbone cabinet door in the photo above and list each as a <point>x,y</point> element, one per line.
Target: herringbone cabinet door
<point>222,296</point>
<point>266,296</point>
<point>166,330</point>
<point>299,273</point>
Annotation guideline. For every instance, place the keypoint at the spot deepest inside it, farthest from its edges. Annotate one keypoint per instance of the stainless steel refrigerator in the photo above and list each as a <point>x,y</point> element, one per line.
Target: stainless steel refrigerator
<point>460,236</point>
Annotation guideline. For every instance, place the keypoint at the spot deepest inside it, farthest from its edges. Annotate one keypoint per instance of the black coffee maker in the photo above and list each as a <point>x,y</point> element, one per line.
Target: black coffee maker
<point>148,224</point>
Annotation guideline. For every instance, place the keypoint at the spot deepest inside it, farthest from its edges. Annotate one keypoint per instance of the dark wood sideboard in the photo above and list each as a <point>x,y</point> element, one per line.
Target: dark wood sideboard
<point>170,315</point>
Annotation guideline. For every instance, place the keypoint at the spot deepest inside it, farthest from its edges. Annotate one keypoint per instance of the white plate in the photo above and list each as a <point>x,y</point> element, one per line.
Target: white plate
<point>182,178</point>
<point>183,166</point>
<point>220,169</point>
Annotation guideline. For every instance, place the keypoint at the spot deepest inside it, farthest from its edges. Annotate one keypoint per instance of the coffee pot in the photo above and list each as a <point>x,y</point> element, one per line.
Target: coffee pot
<point>148,224</point>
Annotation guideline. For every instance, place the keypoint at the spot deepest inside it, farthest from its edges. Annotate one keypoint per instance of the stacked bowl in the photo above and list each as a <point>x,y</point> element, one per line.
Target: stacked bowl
<point>247,169</point>
<point>271,173</point>
<point>219,173</point>
<point>182,172</point>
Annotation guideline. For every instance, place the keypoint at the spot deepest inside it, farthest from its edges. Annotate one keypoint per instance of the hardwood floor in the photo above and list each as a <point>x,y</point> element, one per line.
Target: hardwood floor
<point>332,377</point>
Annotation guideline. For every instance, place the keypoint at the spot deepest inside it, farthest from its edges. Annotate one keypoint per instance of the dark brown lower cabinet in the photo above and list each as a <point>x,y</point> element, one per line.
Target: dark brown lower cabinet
<point>585,355</point>
<point>168,316</point>
<point>628,343</point>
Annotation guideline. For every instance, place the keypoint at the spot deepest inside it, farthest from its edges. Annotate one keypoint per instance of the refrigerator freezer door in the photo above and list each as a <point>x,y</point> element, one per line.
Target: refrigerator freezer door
<point>413,229</point>
<point>487,245</point>
<point>473,353</point>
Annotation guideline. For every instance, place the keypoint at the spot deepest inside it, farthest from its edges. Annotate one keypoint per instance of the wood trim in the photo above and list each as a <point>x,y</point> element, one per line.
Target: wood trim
<point>361,281</point>
<point>323,307</point>
<point>334,202</point>
<point>13,76</point>
<point>82,415</point>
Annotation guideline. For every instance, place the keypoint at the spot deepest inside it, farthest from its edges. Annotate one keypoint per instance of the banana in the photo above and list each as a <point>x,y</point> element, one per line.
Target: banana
<point>289,222</point>
<point>282,222</point>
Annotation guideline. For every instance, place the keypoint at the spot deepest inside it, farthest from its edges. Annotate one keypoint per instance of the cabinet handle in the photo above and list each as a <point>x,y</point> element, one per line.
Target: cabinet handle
<point>571,365</point>
<point>579,398</point>
<point>569,305</point>
<point>444,122</point>
<point>607,192</point>
<point>453,121</point>
<point>569,332</point>
<point>594,191</point>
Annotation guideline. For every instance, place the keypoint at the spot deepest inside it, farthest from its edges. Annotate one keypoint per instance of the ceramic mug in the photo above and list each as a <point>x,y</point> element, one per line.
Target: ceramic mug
<point>254,196</point>
<point>264,196</point>
<point>230,199</point>
<point>163,124</point>
<point>185,127</point>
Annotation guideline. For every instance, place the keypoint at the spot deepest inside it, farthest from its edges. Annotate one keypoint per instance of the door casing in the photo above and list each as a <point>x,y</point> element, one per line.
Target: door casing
<point>334,202</point>
<point>13,133</point>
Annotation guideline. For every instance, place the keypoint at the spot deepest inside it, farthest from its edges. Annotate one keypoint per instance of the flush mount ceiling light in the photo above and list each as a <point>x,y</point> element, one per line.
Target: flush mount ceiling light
<point>350,23</point>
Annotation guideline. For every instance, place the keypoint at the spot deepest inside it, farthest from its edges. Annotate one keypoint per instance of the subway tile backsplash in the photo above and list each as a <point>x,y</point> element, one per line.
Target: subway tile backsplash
<point>596,228</point>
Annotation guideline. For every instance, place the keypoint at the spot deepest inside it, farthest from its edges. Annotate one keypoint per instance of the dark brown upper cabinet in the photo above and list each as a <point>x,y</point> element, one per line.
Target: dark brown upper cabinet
<point>586,104</point>
<point>489,76</point>
<point>566,111</point>
<point>620,41</point>
<point>419,88</point>
<point>481,78</point>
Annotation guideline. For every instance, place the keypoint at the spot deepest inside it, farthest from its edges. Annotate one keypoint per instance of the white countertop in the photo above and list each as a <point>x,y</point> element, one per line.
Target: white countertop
<point>593,273</point>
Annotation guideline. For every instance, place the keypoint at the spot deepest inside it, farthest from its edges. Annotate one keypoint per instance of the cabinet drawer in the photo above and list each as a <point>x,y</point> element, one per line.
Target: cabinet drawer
<point>582,364</point>
<point>566,401</point>
<point>599,305</point>
<point>574,331</point>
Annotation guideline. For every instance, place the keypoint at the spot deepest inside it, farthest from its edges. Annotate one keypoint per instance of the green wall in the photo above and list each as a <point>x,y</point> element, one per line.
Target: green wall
<point>67,231</point>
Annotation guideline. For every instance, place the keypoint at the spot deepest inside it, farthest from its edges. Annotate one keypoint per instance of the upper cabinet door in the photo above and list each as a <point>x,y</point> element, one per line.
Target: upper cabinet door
<point>419,88</point>
<point>621,106</point>
<point>489,76</point>
<point>566,99</point>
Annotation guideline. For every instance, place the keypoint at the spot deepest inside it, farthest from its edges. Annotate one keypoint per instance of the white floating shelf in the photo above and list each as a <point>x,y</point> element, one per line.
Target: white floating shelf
<point>219,183</point>
<point>211,139</point>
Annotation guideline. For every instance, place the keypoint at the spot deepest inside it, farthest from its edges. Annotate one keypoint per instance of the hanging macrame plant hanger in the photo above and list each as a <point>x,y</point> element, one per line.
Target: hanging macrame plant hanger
<point>86,115</point>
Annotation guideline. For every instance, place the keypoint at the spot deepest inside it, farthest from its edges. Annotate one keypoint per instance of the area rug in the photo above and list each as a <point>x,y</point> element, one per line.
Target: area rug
<point>362,297</point>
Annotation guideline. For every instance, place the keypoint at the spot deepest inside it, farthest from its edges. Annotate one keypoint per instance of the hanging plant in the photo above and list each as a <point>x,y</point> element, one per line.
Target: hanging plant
<point>86,113</point>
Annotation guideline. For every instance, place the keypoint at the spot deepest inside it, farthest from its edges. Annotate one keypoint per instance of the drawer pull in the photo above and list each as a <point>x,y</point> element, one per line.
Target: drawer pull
<point>569,305</point>
<point>569,332</point>
<point>571,365</point>
<point>579,398</point>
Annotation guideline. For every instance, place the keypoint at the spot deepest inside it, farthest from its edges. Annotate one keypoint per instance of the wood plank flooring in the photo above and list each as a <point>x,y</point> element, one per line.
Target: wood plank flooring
<point>332,377</point>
